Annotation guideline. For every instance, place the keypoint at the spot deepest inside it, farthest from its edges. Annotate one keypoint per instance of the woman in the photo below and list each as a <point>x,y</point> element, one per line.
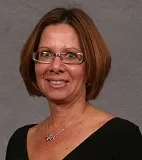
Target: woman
<point>66,61</point>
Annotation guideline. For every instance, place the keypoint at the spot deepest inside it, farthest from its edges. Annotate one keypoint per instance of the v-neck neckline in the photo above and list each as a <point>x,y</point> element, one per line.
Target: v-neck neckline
<point>96,132</point>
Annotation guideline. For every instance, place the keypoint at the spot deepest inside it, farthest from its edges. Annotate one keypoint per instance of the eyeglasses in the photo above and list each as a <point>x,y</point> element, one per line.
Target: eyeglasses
<point>67,58</point>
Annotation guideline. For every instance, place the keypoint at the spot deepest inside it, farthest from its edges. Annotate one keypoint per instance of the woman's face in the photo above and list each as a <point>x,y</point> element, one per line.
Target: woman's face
<point>59,81</point>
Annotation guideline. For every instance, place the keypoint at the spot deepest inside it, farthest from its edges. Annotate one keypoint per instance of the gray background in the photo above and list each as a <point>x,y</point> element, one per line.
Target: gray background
<point>120,23</point>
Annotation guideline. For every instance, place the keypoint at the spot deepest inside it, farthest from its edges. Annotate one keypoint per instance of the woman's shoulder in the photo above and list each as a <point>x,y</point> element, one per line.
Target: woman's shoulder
<point>119,129</point>
<point>20,135</point>
<point>120,124</point>
<point>17,143</point>
<point>21,132</point>
<point>112,124</point>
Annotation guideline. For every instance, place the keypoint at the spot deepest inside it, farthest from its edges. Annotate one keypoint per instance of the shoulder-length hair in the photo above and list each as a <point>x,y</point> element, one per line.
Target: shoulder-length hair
<point>98,60</point>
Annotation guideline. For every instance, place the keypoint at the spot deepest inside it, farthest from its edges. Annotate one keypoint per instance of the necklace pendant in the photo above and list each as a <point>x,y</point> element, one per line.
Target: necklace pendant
<point>50,137</point>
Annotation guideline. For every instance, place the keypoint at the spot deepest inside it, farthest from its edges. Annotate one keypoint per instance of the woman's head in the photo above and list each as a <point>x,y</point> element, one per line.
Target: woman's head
<point>97,58</point>
<point>59,72</point>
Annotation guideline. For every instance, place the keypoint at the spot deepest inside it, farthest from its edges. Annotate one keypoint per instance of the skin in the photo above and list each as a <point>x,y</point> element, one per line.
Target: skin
<point>59,39</point>
<point>62,38</point>
<point>67,101</point>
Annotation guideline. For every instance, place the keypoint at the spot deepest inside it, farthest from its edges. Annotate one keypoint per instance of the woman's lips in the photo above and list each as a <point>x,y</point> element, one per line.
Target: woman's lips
<point>57,83</point>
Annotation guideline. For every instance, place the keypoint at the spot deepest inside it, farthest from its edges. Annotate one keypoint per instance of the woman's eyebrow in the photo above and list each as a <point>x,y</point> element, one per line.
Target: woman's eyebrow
<point>65,48</point>
<point>72,48</point>
<point>42,47</point>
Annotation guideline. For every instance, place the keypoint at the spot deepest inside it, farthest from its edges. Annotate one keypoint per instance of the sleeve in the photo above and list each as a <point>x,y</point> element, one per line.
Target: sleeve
<point>131,144</point>
<point>16,148</point>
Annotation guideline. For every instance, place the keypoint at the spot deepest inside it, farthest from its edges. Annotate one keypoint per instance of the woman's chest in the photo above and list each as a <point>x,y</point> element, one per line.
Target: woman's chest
<point>58,148</point>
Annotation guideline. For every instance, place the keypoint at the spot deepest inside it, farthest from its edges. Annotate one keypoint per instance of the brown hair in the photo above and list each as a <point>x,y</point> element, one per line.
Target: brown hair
<point>98,60</point>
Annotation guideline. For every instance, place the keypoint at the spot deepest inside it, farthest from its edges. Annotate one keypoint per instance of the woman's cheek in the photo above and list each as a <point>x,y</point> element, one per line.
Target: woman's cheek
<point>39,70</point>
<point>78,70</point>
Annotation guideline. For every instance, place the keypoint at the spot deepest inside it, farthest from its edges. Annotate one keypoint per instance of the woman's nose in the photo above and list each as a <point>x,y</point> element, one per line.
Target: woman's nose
<point>56,65</point>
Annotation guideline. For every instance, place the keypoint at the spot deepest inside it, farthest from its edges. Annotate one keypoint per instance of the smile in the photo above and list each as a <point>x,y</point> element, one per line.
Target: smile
<point>57,82</point>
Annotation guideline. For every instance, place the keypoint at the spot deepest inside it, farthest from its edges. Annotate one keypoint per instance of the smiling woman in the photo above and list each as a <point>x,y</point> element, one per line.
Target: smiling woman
<point>66,61</point>
<point>62,78</point>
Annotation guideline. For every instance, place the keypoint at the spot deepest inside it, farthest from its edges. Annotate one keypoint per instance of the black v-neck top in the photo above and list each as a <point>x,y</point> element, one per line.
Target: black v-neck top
<point>118,139</point>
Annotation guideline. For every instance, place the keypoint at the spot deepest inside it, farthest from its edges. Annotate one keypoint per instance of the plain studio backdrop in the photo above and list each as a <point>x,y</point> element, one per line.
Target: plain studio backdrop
<point>120,23</point>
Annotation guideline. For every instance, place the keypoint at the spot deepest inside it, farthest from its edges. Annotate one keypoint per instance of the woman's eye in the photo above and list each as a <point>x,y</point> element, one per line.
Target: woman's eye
<point>71,55</point>
<point>46,53</point>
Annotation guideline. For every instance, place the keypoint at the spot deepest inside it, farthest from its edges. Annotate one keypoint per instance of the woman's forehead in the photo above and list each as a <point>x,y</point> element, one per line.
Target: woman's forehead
<point>61,35</point>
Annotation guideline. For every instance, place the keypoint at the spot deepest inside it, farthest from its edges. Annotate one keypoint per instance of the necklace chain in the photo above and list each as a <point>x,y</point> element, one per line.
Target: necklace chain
<point>50,137</point>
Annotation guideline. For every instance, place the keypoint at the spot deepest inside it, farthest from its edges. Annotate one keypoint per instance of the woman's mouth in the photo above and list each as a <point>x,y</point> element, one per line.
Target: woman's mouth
<point>57,83</point>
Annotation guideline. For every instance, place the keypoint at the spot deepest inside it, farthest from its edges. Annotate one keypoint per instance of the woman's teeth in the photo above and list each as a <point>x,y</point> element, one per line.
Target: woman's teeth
<point>57,82</point>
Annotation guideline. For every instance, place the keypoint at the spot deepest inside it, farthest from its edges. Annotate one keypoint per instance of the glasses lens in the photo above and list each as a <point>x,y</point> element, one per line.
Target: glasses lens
<point>43,56</point>
<point>72,58</point>
<point>48,57</point>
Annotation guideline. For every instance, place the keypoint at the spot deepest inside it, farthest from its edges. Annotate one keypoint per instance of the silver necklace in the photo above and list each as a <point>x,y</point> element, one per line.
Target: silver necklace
<point>50,137</point>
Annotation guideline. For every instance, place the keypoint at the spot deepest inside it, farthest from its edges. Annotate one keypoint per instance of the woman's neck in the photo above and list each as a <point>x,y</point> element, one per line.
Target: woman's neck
<point>62,114</point>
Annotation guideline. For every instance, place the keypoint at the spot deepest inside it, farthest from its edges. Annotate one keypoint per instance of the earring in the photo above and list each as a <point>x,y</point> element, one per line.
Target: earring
<point>88,84</point>
<point>42,77</point>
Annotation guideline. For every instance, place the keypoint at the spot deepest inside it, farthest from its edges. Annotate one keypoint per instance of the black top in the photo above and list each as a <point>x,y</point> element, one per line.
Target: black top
<point>118,139</point>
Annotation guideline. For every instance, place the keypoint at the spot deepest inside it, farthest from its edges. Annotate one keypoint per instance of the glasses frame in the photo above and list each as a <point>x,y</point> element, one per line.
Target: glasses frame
<point>57,55</point>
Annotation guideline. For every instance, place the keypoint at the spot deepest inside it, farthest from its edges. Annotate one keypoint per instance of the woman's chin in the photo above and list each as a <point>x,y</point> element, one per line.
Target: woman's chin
<point>58,97</point>
<point>57,100</point>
